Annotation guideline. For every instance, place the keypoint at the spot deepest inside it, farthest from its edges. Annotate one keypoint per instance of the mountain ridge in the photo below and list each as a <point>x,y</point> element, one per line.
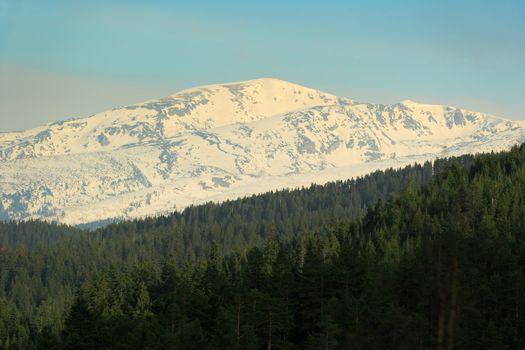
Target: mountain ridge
<point>220,142</point>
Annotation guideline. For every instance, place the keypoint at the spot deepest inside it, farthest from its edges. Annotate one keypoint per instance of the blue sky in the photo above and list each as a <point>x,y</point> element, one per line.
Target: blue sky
<point>60,59</point>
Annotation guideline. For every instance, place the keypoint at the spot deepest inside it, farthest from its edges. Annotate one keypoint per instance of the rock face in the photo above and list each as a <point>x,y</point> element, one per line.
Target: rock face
<point>220,142</point>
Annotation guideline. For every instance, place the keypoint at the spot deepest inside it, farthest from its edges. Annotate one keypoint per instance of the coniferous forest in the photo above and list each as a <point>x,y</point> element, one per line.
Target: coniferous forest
<point>429,256</point>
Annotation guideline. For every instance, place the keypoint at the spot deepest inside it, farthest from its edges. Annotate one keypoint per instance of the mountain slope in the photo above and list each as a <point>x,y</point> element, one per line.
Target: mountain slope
<point>220,142</point>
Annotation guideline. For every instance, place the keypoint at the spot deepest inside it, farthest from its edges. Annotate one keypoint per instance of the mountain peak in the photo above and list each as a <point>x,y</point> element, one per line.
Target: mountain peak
<point>156,120</point>
<point>220,142</point>
<point>264,81</point>
<point>277,88</point>
<point>408,102</point>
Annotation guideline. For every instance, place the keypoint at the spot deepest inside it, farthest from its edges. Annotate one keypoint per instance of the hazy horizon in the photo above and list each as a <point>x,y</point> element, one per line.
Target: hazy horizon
<point>62,59</point>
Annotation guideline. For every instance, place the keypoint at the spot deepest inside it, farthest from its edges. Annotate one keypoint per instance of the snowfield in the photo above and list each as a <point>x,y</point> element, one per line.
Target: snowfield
<point>221,142</point>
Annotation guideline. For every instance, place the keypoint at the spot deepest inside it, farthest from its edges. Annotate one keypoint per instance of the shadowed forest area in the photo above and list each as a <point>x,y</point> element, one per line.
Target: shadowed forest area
<point>429,256</point>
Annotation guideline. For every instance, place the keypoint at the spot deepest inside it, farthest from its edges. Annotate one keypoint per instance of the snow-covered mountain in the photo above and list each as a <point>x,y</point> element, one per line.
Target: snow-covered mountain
<point>220,142</point>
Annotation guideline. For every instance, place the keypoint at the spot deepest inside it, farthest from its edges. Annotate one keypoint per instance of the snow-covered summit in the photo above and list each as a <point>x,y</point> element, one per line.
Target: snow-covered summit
<point>223,141</point>
<point>198,108</point>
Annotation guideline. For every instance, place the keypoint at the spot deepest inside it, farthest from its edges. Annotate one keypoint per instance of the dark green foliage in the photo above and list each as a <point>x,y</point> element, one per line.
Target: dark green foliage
<point>33,234</point>
<point>42,265</point>
<point>14,331</point>
<point>435,266</point>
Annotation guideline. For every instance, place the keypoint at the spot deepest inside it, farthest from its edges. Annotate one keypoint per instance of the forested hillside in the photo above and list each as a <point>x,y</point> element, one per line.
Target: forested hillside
<point>437,260</point>
<point>42,265</point>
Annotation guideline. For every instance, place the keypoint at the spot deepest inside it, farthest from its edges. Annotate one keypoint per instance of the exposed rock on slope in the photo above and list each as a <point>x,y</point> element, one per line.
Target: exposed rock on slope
<point>223,141</point>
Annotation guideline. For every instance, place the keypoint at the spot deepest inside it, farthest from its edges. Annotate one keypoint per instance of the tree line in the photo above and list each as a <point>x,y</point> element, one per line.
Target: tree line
<point>429,256</point>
